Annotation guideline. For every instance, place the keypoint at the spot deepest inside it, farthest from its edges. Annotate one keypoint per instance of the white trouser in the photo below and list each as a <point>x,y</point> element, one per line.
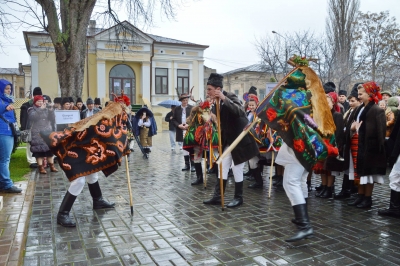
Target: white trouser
<point>197,156</point>
<point>253,162</point>
<point>237,170</point>
<point>29,157</point>
<point>394,176</point>
<point>172,138</point>
<point>77,185</point>
<point>294,176</point>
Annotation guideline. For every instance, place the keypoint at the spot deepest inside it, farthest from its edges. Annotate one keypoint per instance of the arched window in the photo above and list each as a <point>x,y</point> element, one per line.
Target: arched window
<point>123,77</point>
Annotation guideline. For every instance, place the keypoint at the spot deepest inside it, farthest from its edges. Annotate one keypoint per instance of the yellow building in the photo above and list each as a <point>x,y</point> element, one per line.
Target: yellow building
<point>19,77</point>
<point>144,65</point>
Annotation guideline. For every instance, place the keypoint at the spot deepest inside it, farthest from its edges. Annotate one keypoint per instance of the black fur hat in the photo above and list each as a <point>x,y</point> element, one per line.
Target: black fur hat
<point>354,91</point>
<point>46,97</point>
<point>215,80</point>
<point>71,100</point>
<point>79,100</point>
<point>64,100</point>
<point>253,90</point>
<point>329,87</point>
<point>37,91</point>
<point>342,92</point>
<point>97,101</point>
<point>57,100</point>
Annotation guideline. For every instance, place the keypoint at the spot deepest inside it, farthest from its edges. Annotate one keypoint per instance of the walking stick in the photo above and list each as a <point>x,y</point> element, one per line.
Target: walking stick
<point>129,183</point>
<point>205,170</point>
<point>270,174</point>
<point>221,181</point>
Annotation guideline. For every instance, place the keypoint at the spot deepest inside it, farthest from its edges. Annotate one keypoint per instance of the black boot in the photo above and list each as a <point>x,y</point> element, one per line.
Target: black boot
<point>394,207</point>
<point>192,167</point>
<point>327,193</point>
<point>258,178</point>
<point>187,163</point>
<point>216,198</point>
<point>98,201</point>
<point>345,192</point>
<point>319,188</point>
<point>356,201</point>
<point>294,219</point>
<point>309,189</point>
<point>302,222</point>
<point>366,203</point>
<point>250,176</point>
<point>65,207</point>
<point>320,192</point>
<point>248,173</point>
<point>199,174</point>
<point>278,181</point>
<point>238,197</point>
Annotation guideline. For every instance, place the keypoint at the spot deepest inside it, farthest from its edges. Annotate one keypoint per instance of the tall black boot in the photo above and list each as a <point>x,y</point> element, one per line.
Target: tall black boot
<point>258,178</point>
<point>187,163</point>
<point>319,188</point>
<point>394,207</point>
<point>250,176</point>
<point>356,201</point>
<point>216,198</point>
<point>238,197</point>
<point>248,173</point>
<point>294,219</point>
<point>65,207</point>
<point>192,167</point>
<point>327,193</point>
<point>199,174</point>
<point>98,201</point>
<point>345,192</point>
<point>303,224</point>
<point>321,192</point>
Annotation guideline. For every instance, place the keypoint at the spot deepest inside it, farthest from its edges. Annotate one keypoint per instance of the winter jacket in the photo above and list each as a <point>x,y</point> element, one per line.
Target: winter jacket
<point>8,115</point>
<point>42,120</point>
<point>331,163</point>
<point>23,117</point>
<point>171,125</point>
<point>177,120</point>
<point>84,112</point>
<point>136,118</point>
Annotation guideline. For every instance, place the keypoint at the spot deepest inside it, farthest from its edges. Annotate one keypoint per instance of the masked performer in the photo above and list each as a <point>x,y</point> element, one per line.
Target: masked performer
<point>298,110</point>
<point>233,121</point>
<point>200,134</point>
<point>97,143</point>
<point>145,127</point>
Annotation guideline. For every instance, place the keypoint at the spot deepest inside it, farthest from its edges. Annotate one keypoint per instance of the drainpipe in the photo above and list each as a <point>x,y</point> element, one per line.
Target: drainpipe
<point>151,70</point>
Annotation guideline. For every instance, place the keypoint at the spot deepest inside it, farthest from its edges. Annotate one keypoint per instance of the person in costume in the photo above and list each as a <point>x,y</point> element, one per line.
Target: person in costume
<point>348,118</point>
<point>179,120</point>
<point>200,134</point>
<point>370,127</point>
<point>298,110</point>
<point>145,127</point>
<point>122,98</point>
<point>332,166</point>
<point>233,120</point>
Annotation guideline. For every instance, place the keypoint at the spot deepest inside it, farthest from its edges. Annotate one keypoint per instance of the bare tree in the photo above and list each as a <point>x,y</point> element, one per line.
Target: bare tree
<point>66,22</point>
<point>340,32</point>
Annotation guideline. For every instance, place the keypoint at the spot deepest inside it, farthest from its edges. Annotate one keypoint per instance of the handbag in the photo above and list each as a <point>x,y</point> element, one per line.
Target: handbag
<point>26,135</point>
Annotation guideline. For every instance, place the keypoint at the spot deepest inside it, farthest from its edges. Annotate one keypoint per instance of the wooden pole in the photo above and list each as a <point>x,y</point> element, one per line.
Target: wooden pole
<point>221,179</point>
<point>129,183</point>
<point>205,170</point>
<point>270,174</point>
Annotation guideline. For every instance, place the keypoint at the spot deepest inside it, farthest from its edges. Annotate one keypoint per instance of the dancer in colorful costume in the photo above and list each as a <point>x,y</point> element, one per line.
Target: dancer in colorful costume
<point>200,134</point>
<point>298,110</point>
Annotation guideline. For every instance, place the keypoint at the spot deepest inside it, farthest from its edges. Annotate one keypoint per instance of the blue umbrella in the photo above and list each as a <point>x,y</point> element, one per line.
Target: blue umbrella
<point>168,103</point>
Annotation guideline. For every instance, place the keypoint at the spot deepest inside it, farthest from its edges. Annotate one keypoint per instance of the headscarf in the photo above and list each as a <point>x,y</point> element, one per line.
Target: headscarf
<point>253,97</point>
<point>373,90</point>
<point>334,97</point>
<point>37,98</point>
<point>6,98</point>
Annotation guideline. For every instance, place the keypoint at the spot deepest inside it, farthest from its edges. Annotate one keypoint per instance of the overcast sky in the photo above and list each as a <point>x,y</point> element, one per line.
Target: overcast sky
<point>229,27</point>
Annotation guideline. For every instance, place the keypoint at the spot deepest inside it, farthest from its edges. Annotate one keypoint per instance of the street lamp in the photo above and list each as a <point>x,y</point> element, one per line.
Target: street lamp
<point>286,51</point>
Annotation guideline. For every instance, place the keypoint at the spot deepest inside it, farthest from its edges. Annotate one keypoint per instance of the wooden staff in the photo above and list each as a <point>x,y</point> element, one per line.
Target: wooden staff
<point>129,183</point>
<point>237,140</point>
<point>221,181</point>
<point>270,174</point>
<point>205,170</point>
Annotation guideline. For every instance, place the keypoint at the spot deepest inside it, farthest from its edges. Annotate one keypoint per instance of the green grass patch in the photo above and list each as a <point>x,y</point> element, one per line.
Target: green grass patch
<point>18,165</point>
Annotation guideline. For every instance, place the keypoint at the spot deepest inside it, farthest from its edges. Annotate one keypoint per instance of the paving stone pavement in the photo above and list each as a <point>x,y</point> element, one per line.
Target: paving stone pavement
<point>171,225</point>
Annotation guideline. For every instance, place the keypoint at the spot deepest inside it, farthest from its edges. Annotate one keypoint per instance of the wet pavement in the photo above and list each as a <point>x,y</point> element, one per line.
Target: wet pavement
<point>171,226</point>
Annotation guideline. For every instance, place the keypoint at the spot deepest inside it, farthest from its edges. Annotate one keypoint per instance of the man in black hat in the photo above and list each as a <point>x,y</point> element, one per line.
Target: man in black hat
<point>233,120</point>
<point>23,118</point>
<point>343,100</point>
<point>90,110</point>
<point>179,120</point>
<point>97,103</point>
<point>57,103</point>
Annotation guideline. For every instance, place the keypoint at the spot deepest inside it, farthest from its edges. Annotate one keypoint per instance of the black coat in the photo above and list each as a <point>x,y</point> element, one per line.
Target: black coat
<point>233,121</point>
<point>333,164</point>
<point>371,159</point>
<point>42,120</point>
<point>393,144</point>
<point>171,125</point>
<point>348,120</point>
<point>23,117</point>
<point>177,120</point>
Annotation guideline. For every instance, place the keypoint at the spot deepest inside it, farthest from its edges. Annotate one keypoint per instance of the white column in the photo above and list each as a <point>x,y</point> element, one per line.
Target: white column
<point>35,71</point>
<point>101,79</point>
<point>146,90</point>
<point>201,79</point>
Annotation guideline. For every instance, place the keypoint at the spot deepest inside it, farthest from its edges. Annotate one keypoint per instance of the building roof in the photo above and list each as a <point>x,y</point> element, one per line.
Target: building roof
<point>260,68</point>
<point>9,71</point>
<point>168,40</point>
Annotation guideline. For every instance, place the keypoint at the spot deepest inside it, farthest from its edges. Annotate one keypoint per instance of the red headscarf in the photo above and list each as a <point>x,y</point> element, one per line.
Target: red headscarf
<point>252,97</point>
<point>373,90</point>
<point>37,98</point>
<point>334,97</point>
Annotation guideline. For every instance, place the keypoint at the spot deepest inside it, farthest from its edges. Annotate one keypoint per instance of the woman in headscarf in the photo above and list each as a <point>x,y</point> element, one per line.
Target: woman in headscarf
<point>370,127</point>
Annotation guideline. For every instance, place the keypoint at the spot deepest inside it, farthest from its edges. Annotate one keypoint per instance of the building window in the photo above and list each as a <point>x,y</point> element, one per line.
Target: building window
<point>122,77</point>
<point>183,81</point>
<point>161,80</point>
